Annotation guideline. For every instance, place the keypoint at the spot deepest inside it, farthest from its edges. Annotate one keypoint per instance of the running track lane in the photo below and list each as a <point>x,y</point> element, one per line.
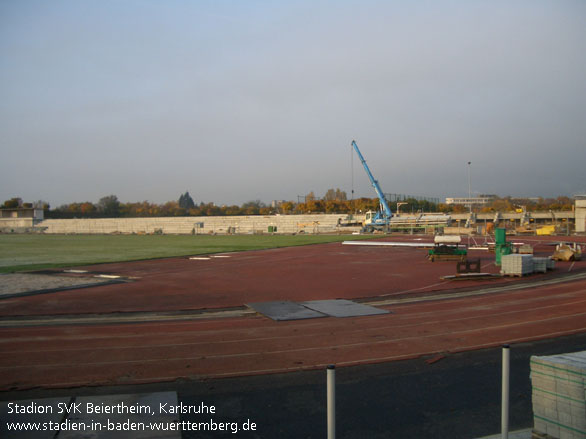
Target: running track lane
<point>71,356</point>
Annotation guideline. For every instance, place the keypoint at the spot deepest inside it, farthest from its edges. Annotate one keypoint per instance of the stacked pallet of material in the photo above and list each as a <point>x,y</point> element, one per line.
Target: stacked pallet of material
<point>550,263</point>
<point>517,265</point>
<point>559,398</point>
<point>540,265</point>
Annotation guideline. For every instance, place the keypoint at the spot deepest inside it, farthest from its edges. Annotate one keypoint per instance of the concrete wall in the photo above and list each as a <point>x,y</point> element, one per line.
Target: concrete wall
<point>580,212</point>
<point>13,223</point>
<point>198,225</point>
<point>319,223</point>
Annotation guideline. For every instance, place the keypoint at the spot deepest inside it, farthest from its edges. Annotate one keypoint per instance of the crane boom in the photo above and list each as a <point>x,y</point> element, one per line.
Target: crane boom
<point>384,216</point>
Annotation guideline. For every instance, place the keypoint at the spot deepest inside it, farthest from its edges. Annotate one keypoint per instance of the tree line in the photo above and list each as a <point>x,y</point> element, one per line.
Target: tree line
<point>334,201</point>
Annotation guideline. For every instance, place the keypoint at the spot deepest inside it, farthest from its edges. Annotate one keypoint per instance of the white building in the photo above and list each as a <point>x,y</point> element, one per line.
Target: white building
<point>467,201</point>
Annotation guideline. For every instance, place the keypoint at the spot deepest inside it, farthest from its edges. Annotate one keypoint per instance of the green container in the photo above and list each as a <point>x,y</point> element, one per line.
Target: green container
<point>500,236</point>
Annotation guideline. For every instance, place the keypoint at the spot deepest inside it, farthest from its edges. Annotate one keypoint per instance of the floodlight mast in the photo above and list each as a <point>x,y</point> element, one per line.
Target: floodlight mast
<point>383,216</point>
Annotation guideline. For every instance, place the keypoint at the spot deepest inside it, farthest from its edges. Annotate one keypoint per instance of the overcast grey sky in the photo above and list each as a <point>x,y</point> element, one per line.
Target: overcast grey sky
<point>242,100</point>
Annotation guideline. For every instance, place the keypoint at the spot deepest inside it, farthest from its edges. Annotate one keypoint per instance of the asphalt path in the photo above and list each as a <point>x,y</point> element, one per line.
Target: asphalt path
<point>456,396</point>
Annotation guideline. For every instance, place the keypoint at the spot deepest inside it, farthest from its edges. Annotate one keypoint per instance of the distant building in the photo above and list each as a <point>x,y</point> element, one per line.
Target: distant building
<point>467,201</point>
<point>22,212</point>
<point>20,217</point>
<point>535,199</point>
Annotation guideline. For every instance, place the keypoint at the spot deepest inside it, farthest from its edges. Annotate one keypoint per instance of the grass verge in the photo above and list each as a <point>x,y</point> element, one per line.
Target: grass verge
<point>36,252</point>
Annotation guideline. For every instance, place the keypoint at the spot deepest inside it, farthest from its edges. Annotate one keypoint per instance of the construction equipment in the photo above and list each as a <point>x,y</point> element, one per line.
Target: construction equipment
<point>502,247</point>
<point>546,230</point>
<point>380,219</point>
<point>448,248</point>
<point>567,252</point>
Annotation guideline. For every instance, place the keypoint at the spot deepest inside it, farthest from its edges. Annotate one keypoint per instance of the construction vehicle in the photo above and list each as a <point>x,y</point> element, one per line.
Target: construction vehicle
<point>380,219</point>
<point>448,248</point>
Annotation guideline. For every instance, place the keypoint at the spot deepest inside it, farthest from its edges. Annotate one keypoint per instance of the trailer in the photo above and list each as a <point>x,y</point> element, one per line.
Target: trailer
<point>448,248</point>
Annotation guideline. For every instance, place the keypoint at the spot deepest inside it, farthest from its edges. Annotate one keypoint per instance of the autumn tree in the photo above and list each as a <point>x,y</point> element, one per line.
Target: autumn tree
<point>335,194</point>
<point>172,208</point>
<point>13,203</point>
<point>330,195</point>
<point>459,208</point>
<point>562,203</point>
<point>109,206</point>
<point>87,208</point>
<point>210,209</point>
<point>287,206</point>
<point>315,206</point>
<point>335,206</point>
<point>233,210</point>
<point>253,207</point>
<point>365,204</point>
<point>444,208</point>
<point>502,205</point>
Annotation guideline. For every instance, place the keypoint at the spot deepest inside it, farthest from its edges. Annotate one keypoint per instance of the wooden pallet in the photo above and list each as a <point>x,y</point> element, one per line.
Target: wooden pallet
<point>516,274</point>
<point>539,435</point>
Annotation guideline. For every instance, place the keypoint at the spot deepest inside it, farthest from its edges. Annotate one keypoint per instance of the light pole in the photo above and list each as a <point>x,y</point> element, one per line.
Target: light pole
<point>469,187</point>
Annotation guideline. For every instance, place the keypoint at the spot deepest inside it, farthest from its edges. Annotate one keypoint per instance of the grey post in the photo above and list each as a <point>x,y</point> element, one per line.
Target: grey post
<point>505,393</point>
<point>331,401</point>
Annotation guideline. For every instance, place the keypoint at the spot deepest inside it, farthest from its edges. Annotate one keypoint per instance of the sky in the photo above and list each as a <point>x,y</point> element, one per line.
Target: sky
<point>260,100</point>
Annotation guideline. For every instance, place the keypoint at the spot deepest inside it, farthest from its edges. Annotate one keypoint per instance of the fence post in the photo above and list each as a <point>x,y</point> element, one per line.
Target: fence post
<point>331,379</point>
<point>505,393</point>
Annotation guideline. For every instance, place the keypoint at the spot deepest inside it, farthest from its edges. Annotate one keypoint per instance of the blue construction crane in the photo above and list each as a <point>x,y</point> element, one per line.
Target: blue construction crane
<point>381,218</point>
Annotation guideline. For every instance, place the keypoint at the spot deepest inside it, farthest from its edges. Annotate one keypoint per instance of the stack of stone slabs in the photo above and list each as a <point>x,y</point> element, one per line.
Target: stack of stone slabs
<point>559,400</point>
<point>540,265</point>
<point>517,265</point>
<point>550,263</point>
<point>286,310</point>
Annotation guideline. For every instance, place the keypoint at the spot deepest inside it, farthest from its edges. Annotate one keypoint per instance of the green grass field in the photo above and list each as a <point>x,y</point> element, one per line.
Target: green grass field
<point>36,252</point>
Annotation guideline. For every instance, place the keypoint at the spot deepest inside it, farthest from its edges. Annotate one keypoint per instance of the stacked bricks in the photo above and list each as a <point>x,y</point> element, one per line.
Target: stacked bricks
<point>517,265</point>
<point>550,263</point>
<point>541,265</point>
<point>559,395</point>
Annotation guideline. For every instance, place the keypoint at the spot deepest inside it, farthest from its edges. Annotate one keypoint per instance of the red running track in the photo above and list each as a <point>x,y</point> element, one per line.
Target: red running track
<point>70,356</point>
<point>316,272</point>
